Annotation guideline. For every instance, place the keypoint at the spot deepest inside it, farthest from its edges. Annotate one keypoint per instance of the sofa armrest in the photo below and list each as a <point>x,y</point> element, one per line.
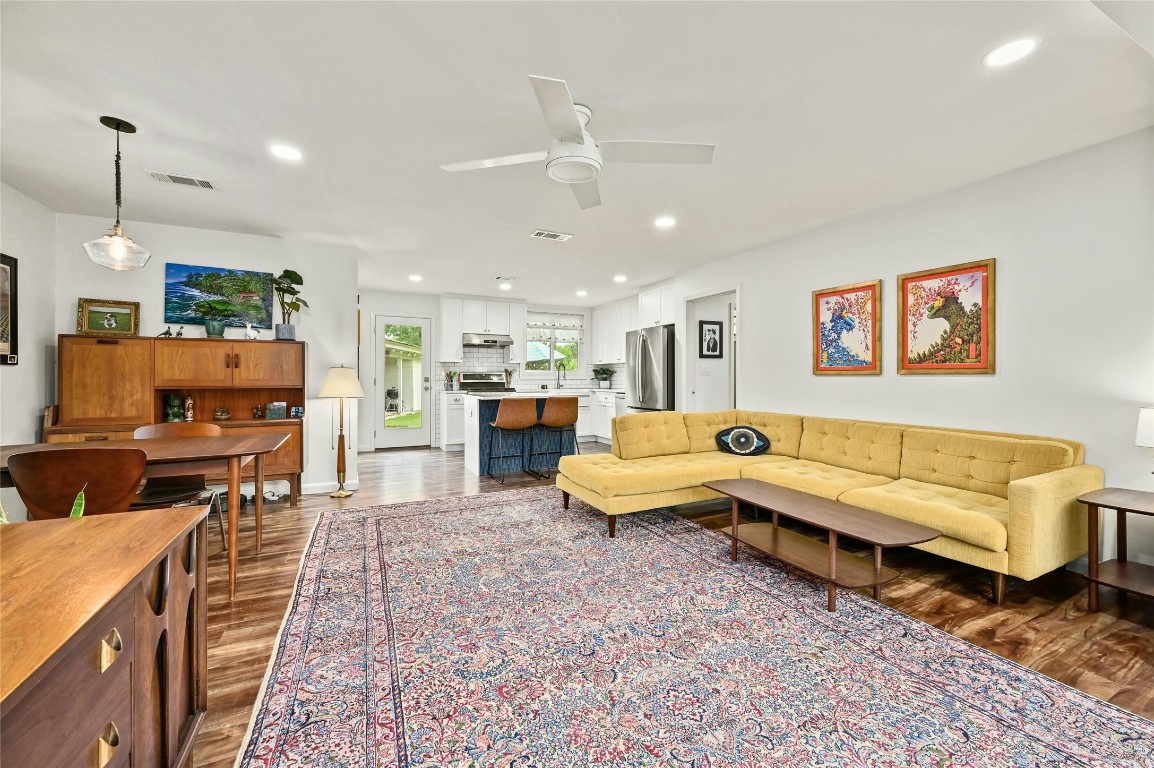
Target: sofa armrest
<point>1047,527</point>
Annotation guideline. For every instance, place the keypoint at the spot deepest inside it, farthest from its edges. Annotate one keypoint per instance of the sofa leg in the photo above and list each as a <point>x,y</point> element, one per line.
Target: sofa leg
<point>612,525</point>
<point>999,584</point>
<point>565,499</point>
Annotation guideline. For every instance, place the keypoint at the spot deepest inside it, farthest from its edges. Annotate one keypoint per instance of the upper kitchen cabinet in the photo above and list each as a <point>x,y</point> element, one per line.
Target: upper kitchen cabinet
<point>610,324</point>
<point>517,331</point>
<point>479,316</point>
<point>451,327</point>
<point>656,306</point>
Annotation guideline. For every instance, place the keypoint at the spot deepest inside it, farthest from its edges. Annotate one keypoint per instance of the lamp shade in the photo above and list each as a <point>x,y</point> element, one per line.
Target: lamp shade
<point>115,251</point>
<point>1145,434</point>
<point>341,382</point>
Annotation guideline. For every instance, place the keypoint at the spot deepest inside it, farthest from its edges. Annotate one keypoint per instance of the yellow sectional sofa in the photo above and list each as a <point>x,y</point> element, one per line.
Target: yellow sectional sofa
<point>1004,502</point>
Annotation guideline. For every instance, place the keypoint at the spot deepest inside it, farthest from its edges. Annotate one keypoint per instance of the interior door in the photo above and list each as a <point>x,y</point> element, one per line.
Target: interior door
<point>402,389</point>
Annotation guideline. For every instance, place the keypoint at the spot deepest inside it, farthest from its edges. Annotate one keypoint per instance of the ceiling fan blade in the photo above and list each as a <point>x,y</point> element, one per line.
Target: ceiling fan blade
<point>655,152</point>
<point>557,107</point>
<point>587,194</point>
<point>493,162</point>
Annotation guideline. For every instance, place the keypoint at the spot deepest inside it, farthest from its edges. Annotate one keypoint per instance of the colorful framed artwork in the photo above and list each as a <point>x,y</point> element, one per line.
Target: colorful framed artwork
<point>107,317</point>
<point>847,329</point>
<point>946,319</point>
<point>192,293</point>
<point>710,338</point>
<point>9,314</point>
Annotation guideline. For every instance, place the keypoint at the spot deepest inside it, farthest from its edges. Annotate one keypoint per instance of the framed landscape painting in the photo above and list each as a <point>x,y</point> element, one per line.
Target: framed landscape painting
<point>847,329</point>
<point>9,316</point>
<point>236,296</point>
<point>107,317</point>
<point>946,319</point>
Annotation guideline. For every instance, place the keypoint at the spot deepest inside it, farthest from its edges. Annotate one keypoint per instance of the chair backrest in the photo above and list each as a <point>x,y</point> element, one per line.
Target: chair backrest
<point>178,429</point>
<point>49,480</point>
<point>516,413</point>
<point>559,412</point>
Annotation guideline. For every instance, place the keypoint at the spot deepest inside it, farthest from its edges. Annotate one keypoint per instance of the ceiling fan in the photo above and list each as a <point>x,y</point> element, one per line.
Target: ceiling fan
<point>574,157</point>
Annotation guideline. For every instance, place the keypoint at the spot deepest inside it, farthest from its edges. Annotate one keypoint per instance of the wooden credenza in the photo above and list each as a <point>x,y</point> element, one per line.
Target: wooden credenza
<point>103,645</point>
<point>107,387</point>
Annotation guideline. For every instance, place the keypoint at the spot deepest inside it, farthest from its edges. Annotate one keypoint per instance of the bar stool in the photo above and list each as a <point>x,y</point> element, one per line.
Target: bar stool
<point>558,417</point>
<point>514,414</point>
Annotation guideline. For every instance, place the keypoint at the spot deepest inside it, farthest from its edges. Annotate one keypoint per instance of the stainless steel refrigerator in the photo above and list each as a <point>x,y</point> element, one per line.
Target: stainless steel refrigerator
<point>649,369</point>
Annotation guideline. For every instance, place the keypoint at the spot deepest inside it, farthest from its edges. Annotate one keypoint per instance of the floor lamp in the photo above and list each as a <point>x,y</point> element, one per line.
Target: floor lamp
<point>341,382</point>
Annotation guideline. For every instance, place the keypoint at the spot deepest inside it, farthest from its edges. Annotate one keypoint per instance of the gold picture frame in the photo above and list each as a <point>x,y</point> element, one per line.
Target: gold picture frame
<point>946,319</point>
<point>107,317</point>
<point>847,330</point>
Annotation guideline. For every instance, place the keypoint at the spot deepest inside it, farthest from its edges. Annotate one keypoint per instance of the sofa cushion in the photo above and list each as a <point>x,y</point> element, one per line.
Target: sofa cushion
<point>978,462</point>
<point>812,477</point>
<point>702,428</point>
<point>863,446</point>
<point>975,518</point>
<point>639,435</point>
<point>611,476</point>
<point>782,429</point>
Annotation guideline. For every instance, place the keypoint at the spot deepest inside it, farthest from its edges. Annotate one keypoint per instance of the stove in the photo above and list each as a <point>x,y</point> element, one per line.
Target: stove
<point>479,382</point>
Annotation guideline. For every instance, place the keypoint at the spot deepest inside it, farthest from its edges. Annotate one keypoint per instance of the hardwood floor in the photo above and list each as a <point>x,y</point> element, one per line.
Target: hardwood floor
<point>1042,624</point>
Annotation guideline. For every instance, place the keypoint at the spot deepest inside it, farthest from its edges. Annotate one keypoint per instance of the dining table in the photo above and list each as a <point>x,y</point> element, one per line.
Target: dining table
<point>175,456</point>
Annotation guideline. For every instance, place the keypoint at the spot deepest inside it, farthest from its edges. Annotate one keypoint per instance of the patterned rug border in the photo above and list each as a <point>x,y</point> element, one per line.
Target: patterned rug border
<point>830,621</point>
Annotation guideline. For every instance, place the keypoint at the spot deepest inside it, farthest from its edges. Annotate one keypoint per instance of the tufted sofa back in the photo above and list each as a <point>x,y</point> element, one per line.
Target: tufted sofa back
<point>863,446</point>
<point>640,435</point>
<point>703,427</point>
<point>782,429</point>
<point>979,463</point>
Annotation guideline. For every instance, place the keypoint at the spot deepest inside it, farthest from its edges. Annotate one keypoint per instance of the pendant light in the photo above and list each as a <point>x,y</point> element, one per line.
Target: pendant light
<point>114,250</point>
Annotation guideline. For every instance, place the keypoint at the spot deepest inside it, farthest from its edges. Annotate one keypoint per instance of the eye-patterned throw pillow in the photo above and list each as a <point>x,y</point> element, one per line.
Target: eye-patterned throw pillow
<point>742,441</point>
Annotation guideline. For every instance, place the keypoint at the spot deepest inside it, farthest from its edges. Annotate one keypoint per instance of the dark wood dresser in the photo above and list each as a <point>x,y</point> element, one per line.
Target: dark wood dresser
<point>103,647</point>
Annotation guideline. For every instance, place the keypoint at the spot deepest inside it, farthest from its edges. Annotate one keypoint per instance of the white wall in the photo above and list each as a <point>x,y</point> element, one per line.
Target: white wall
<point>26,234</point>
<point>1074,243</point>
<point>329,326</point>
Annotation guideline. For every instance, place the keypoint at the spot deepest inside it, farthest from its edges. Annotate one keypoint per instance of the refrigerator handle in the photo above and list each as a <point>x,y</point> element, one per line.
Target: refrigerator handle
<point>640,368</point>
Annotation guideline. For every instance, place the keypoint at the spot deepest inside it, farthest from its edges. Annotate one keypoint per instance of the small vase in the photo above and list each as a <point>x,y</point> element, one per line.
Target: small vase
<point>448,386</point>
<point>604,383</point>
<point>214,328</point>
<point>286,332</point>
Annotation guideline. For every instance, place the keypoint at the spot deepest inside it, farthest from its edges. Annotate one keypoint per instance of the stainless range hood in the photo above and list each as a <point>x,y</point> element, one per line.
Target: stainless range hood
<point>486,340</point>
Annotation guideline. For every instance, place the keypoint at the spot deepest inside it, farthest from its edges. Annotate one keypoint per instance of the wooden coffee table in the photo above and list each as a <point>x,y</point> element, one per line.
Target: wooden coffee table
<point>838,568</point>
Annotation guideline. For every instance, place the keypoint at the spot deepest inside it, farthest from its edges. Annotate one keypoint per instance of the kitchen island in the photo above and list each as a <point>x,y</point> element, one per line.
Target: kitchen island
<point>481,410</point>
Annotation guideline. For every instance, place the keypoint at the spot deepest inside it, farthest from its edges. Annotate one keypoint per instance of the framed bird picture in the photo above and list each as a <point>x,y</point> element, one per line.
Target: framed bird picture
<point>946,319</point>
<point>847,329</point>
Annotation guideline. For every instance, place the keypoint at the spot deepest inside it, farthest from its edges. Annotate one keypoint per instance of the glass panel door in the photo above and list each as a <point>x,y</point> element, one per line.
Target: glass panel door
<point>402,382</point>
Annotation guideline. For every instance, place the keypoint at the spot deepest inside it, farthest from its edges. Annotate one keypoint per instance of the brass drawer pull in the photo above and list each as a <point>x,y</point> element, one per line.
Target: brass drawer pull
<point>110,648</point>
<point>236,361</point>
<point>228,361</point>
<point>106,745</point>
<point>94,438</point>
<point>107,341</point>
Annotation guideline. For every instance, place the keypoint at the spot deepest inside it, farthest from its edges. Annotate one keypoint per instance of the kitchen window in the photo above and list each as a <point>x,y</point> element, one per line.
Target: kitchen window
<point>553,341</point>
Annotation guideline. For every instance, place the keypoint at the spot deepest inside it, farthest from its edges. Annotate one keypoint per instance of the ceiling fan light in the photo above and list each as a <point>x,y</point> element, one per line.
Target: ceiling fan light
<point>115,251</point>
<point>574,169</point>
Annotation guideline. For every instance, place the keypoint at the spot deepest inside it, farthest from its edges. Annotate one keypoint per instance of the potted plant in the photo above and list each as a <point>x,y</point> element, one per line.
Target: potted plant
<point>214,312</point>
<point>289,297</point>
<point>603,375</point>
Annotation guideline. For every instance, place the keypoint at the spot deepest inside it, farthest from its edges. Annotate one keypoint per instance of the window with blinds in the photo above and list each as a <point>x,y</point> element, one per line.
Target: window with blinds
<point>553,341</point>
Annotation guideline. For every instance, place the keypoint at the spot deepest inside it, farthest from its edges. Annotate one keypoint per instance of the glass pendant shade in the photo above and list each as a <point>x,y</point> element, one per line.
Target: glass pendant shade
<point>115,251</point>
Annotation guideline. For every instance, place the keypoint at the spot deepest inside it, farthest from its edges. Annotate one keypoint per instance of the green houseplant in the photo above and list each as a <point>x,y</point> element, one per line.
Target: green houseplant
<point>214,312</point>
<point>603,375</point>
<point>288,295</point>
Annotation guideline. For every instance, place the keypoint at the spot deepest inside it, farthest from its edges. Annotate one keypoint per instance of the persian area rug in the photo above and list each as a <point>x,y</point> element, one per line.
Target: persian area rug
<point>503,630</point>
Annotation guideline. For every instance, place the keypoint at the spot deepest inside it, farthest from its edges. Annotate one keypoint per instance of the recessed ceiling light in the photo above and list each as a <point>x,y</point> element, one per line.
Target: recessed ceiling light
<point>1010,52</point>
<point>664,222</point>
<point>582,293</point>
<point>619,278</point>
<point>285,152</point>
<point>506,286</point>
<point>416,278</point>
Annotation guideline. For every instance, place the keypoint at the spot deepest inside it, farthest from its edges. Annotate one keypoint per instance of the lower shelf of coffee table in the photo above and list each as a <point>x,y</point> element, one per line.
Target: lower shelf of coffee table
<point>811,555</point>
<point>1126,575</point>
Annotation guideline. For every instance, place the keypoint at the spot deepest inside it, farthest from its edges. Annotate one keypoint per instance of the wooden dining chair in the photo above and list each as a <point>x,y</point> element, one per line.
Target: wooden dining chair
<point>49,480</point>
<point>170,491</point>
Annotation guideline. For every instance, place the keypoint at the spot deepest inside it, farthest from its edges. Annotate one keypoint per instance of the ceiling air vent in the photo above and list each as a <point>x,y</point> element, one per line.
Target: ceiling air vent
<point>188,181</point>
<point>547,235</point>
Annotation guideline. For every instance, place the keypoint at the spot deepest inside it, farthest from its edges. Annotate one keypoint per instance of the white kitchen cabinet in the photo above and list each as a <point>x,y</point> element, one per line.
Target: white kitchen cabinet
<point>603,407</point>
<point>629,318</point>
<point>452,421</point>
<point>584,419</point>
<point>449,349</point>
<point>656,306</point>
<point>598,350</point>
<point>610,324</point>
<point>480,316</point>
<point>517,331</point>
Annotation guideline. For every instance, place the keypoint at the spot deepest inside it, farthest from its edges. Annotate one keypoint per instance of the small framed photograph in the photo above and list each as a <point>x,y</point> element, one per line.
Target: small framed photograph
<point>9,316</point>
<point>107,317</point>
<point>297,412</point>
<point>710,342</point>
<point>946,319</point>
<point>847,329</point>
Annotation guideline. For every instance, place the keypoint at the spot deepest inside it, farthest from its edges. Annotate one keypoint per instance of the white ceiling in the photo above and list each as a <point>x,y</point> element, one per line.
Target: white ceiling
<point>819,110</point>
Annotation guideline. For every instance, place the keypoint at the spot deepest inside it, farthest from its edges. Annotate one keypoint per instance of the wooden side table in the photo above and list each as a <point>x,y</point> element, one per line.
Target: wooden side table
<point>1120,573</point>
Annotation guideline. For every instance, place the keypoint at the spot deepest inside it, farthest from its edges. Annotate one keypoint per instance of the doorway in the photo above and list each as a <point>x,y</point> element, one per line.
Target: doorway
<point>712,381</point>
<point>403,351</point>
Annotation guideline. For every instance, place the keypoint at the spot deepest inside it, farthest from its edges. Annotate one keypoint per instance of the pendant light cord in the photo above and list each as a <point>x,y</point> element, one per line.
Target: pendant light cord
<point>118,174</point>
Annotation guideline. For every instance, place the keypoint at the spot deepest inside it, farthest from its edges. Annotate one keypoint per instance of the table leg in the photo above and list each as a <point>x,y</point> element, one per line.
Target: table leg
<point>233,520</point>
<point>877,572</point>
<point>1092,555</point>
<point>733,522</point>
<point>831,602</point>
<point>1121,525</point>
<point>258,471</point>
<point>775,519</point>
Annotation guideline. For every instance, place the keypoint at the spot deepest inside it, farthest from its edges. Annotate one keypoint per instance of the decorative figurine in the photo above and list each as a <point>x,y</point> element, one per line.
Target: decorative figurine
<point>167,332</point>
<point>172,408</point>
<point>188,408</point>
<point>180,331</point>
<point>249,333</point>
<point>257,412</point>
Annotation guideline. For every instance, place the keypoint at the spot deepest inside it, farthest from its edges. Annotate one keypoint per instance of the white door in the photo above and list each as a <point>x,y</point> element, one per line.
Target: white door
<point>403,347</point>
